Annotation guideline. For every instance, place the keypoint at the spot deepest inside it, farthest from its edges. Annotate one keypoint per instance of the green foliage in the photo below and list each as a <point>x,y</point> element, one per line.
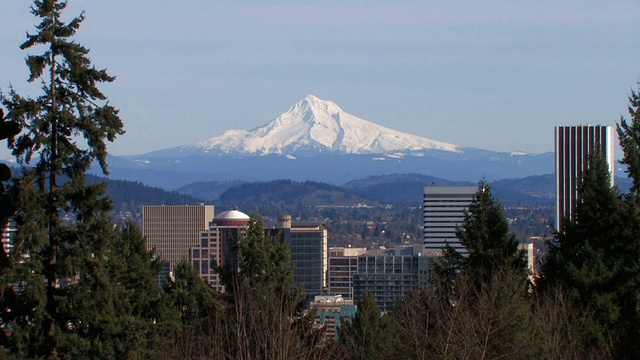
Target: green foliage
<point>131,195</point>
<point>485,234</point>
<point>494,320</point>
<point>273,194</point>
<point>488,318</point>
<point>595,259</point>
<point>195,300</point>
<point>263,262</point>
<point>195,314</point>
<point>445,272</point>
<point>629,135</point>
<point>74,285</point>
<point>143,319</point>
<point>8,298</point>
<point>116,307</point>
<point>367,336</point>
<point>8,129</point>
<point>256,318</point>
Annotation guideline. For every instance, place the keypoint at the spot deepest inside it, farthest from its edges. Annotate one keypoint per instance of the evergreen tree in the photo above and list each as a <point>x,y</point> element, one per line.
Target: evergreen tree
<point>262,313</point>
<point>188,293</point>
<point>367,335</point>
<point>485,234</point>
<point>143,319</point>
<point>62,244</point>
<point>629,135</point>
<point>595,260</point>
<point>481,305</point>
<point>445,272</point>
<point>7,210</point>
<point>263,261</point>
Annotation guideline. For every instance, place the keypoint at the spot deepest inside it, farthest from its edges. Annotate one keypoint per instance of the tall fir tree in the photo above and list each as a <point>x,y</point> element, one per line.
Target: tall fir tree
<point>595,261</point>
<point>262,310</point>
<point>142,321</point>
<point>485,234</point>
<point>62,243</point>
<point>629,135</point>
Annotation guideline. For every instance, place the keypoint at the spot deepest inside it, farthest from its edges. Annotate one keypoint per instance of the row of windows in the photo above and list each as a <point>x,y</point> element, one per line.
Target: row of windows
<point>307,250</point>
<point>307,235</point>
<point>342,268</point>
<point>202,267</point>
<point>306,257</point>
<point>339,284</point>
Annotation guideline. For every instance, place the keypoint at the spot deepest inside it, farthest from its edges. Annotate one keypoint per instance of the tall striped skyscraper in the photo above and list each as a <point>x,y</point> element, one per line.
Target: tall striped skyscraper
<point>573,146</point>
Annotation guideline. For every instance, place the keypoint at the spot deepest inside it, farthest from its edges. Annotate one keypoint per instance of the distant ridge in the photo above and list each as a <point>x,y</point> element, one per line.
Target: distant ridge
<point>315,140</point>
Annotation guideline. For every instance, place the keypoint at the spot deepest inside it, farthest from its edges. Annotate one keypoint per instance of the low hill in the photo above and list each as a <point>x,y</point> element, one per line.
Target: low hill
<point>208,190</point>
<point>397,188</point>
<point>129,196</point>
<point>288,194</point>
<point>409,189</point>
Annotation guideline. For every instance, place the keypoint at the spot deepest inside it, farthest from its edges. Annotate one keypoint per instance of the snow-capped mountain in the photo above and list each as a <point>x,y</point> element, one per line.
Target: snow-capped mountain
<point>319,126</point>
<point>316,140</point>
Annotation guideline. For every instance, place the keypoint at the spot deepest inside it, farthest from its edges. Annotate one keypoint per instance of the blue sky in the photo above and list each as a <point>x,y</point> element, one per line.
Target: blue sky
<point>492,74</point>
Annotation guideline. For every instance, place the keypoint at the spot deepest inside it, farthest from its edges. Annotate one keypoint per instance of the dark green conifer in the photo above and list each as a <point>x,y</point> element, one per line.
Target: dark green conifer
<point>367,336</point>
<point>7,210</point>
<point>62,246</point>
<point>485,234</point>
<point>629,135</point>
<point>595,259</point>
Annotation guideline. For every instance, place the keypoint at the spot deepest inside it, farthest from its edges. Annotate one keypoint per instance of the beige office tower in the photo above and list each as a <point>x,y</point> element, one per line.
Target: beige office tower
<point>173,230</point>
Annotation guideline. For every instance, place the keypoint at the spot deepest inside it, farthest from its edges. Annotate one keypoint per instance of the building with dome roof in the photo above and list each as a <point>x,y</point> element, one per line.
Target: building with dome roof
<point>217,244</point>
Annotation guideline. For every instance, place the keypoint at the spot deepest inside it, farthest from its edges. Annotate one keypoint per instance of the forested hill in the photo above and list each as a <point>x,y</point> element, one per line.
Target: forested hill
<point>288,194</point>
<point>129,196</point>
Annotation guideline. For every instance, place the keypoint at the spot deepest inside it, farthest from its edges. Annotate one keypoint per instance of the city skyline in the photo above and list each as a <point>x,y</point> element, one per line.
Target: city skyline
<point>492,75</point>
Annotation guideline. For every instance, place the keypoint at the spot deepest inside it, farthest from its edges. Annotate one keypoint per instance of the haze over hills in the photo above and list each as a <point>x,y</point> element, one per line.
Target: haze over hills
<point>316,140</point>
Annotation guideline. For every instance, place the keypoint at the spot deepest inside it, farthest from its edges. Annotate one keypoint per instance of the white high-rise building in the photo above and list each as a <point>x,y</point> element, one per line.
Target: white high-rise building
<point>574,145</point>
<point>444,208</point>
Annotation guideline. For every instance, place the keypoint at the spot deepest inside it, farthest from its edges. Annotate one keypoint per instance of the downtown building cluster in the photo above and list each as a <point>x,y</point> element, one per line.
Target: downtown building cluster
<point>332,279</point>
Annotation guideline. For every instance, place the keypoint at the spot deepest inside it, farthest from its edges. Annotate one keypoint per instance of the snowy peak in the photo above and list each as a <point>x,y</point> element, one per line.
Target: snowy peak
<point>314,126</point>
<point>312,104</point>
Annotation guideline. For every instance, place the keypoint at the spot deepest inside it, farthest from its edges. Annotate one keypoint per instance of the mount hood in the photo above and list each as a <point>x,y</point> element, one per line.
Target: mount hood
<point>314,126</point>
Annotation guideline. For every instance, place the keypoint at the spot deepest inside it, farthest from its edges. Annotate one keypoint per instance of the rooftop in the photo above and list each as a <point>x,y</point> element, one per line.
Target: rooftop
<point>232,215</point>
